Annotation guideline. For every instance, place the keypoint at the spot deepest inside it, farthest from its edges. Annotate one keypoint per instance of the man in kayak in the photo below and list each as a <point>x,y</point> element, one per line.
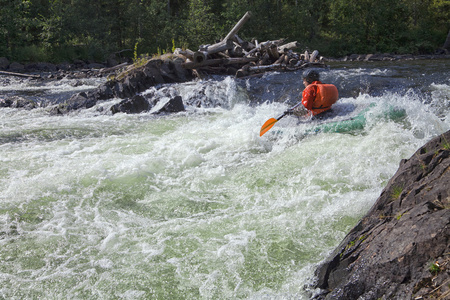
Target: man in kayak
<point>317,97</point>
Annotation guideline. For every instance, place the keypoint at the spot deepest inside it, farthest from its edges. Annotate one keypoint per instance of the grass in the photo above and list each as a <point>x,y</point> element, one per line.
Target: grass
<point>434,268</point>
<point>396,192</point>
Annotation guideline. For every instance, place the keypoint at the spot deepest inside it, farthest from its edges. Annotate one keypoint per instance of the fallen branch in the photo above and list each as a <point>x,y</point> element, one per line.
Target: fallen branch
<point>238,26</point>
<point>106,70</point>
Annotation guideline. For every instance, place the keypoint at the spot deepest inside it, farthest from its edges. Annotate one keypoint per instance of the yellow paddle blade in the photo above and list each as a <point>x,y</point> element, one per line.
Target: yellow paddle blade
<point>266,127</point>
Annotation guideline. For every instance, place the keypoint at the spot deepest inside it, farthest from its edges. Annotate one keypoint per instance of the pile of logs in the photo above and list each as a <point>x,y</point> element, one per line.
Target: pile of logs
<point>241,58</point>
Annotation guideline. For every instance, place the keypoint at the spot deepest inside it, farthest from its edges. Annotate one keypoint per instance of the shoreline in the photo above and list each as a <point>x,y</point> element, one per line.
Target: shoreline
<point>98,69</point>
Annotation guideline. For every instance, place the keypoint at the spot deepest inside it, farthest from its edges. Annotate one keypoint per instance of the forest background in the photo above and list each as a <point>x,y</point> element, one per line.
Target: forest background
<point>65,30</point>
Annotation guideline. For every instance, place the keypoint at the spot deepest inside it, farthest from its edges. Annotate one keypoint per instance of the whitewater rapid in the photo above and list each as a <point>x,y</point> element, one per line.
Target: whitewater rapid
<point>196,205</point>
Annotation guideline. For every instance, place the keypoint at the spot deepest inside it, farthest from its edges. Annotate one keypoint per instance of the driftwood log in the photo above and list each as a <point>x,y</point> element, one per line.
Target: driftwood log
<point>19,74</point>
<point>118,67</point>
<point>244,58</point>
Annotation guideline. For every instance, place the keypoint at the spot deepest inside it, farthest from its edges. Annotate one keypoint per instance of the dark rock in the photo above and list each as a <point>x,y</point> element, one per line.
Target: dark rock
<point>173,105</point>
<point>40,67</point>
<point>111,61</point>
<point>16,67</point>
<point>79,64</point>
<point>105,92</point>
<point>134,105</point>
<point>4,63</point>
<point>95,66</point>
<point>389,253</point>
<point>77,101</point>
<point>65,66</point>
<point>166,104</point>
<point>5,102</point>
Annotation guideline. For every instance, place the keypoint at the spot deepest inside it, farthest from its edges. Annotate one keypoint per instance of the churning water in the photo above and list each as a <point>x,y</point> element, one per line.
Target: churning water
<point>195,205</point>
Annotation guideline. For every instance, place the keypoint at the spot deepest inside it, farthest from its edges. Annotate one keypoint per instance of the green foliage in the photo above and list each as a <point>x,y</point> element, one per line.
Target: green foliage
<point>91,30</point>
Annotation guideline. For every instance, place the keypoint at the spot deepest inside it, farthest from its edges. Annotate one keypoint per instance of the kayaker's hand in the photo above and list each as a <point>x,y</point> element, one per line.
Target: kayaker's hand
<point>289,112</point>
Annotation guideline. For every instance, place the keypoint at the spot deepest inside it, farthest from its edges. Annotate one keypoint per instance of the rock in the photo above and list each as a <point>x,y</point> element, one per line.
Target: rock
<point>134,105</point>
<point>64,66</point>
<point>5,102</point>
<point>41,67</point>
<point>95,66</point>
<point>4,63</point>
<point>174,105</point>
<point>79,64</point>
<point>167,104</point>
<point>16,67</point>
<point>18,102</point>
<point>111,61</point>
<point>401,248</point>
<point>104,92</point>
<point>77,101</point>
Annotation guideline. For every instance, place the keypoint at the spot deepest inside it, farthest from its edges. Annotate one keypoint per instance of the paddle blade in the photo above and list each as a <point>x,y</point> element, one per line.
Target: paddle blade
<point>266,127</point>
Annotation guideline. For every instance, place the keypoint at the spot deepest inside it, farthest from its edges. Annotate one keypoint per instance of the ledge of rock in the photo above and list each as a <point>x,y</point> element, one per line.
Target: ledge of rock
<point>129,83</point>
<point>401,248</point>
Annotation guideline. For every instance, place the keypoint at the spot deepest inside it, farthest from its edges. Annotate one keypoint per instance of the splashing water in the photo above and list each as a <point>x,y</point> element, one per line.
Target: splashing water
<point>196,205</point>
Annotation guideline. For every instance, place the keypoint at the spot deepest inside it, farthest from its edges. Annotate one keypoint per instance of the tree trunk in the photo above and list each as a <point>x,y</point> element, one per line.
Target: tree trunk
<point>218,61</point>
<point>187,53</point>
<point>289,46</point>
<point>218,47</point>
<point>314,56</point>
<point>200,56</point>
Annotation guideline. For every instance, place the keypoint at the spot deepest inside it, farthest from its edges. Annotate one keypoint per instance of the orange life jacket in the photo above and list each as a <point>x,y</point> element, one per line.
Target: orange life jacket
<point>327,95</point>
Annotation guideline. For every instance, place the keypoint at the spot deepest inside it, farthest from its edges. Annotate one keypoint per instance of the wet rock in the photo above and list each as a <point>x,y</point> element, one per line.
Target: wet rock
<point>134,105</point>
<point>104,92</point>
<point>170,105</point>
<point>400,249</point>
<point>5,102</point>
<point>77,101</point>
<point>18,102</point>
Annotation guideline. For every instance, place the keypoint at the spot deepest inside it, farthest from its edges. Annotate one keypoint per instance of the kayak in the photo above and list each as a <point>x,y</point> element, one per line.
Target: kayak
<point>350,124</point>
<point>359,121</point>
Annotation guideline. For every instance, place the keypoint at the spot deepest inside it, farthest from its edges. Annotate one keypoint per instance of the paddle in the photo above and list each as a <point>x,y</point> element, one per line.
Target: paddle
<point>269,123</point>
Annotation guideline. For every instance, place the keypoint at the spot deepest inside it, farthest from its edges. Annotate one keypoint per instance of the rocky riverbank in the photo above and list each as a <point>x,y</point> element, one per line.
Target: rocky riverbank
<point>96,69</point>
<point>401,248</point>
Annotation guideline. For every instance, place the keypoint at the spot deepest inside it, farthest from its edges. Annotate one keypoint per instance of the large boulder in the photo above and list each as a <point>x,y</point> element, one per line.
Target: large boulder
<point>401,248</point>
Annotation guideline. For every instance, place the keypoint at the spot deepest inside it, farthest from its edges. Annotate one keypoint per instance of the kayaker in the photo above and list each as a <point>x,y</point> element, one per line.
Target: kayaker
<point>317,97</point>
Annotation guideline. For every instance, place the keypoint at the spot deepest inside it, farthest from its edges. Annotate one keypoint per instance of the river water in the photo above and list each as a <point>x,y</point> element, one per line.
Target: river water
<point>196,205</point>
